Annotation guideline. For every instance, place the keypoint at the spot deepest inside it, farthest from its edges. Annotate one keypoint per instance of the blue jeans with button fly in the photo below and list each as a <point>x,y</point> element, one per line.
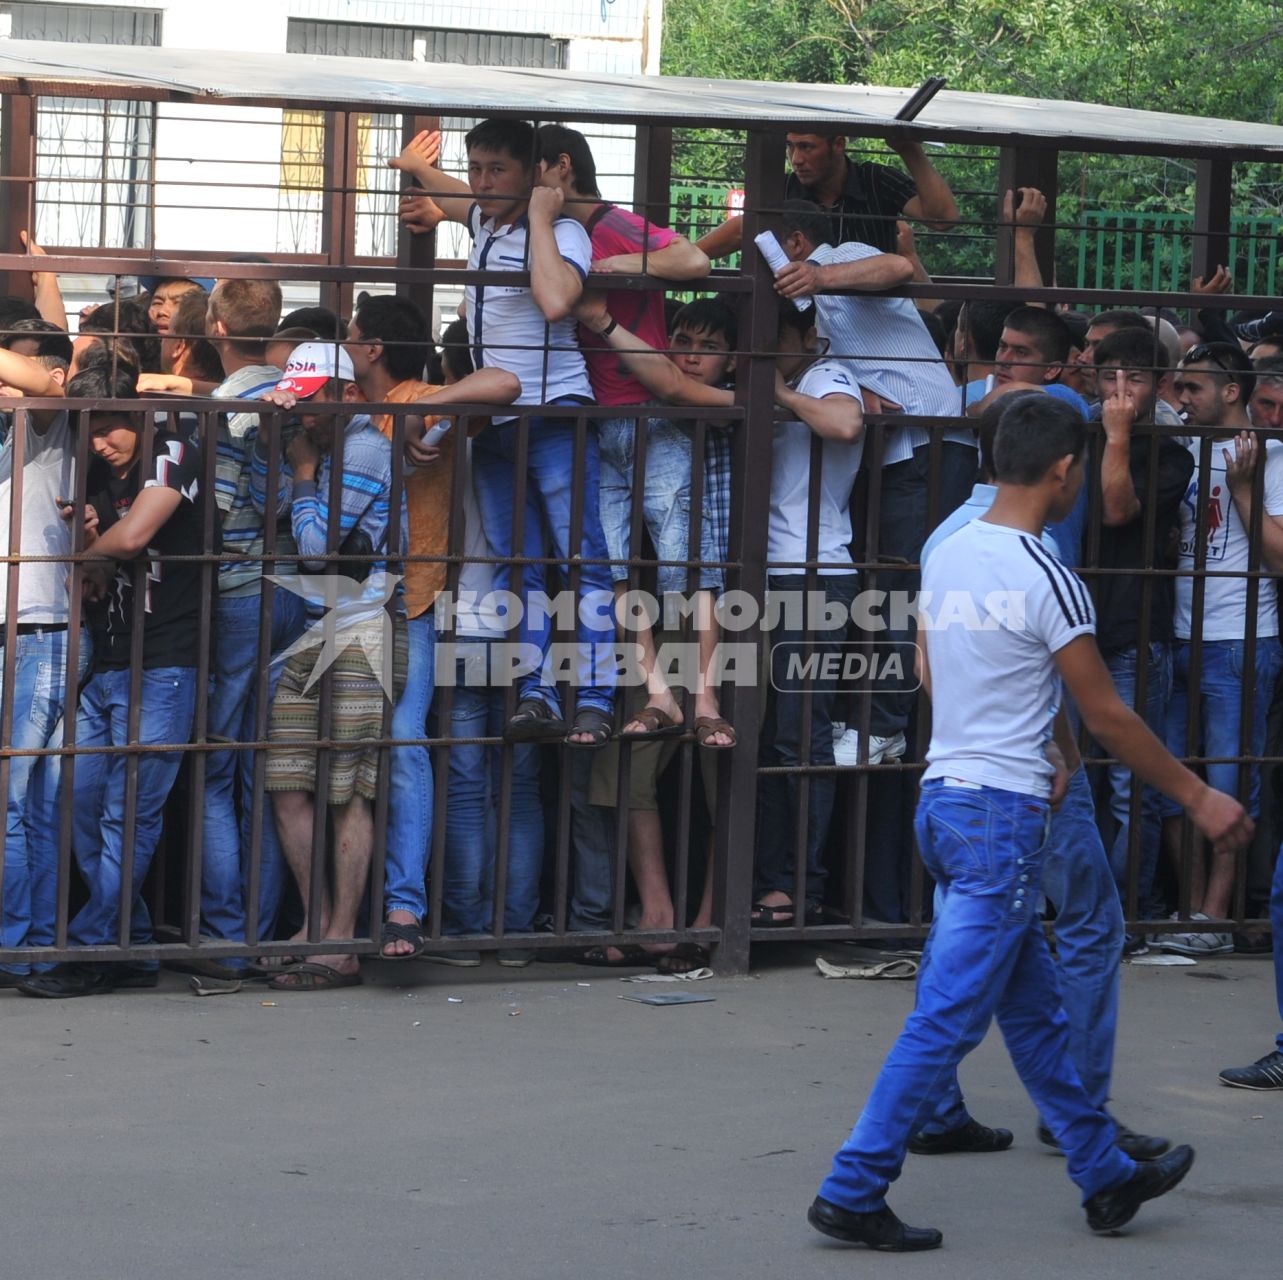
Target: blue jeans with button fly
<point>989,957</point>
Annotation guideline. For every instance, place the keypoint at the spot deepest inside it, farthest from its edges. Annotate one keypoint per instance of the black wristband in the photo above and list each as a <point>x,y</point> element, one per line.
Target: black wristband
<point>610,328</point>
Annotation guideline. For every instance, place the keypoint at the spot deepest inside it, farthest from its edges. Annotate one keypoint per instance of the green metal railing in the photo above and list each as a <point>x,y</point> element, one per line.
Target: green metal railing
<point>1124,250</point>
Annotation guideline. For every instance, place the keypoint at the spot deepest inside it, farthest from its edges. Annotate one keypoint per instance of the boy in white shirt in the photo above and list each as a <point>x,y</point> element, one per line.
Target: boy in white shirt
<point>529,330</point>
<point>1012,622</point>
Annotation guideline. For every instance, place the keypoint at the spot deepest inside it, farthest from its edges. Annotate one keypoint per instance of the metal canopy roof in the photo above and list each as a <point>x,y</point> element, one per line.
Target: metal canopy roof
<point>279,79</point>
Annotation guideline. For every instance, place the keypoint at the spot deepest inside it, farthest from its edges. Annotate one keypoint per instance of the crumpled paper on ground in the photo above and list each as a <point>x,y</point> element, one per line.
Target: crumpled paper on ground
<point>695,975</point>
<point>901,967</point>
<point>1157,958</point>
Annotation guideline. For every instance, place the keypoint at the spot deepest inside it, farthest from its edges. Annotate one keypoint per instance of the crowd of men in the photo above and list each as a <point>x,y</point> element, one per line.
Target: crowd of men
<point>346,523</point>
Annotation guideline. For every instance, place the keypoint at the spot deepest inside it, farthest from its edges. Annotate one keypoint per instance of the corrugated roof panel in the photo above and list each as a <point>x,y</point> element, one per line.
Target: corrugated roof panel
<point>446,89</point>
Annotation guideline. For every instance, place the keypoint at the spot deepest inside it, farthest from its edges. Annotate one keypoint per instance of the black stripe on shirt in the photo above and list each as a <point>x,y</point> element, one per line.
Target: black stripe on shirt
<point>1045,562</point>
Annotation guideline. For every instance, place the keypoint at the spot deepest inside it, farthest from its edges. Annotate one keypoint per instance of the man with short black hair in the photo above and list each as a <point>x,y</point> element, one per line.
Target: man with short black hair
<point>992,775</point>
<point>146,532</point>
<point>1215,382</point>
<point>1128,371</point>
<point>1266,405</point>
<point>861,200</point>
<point>893,358</point>
<point>388,342</point>
<point>530,332</point>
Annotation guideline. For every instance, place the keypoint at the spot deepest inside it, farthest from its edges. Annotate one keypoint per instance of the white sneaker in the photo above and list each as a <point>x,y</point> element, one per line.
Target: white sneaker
<point>846,751</point>
<point>1197,944</point>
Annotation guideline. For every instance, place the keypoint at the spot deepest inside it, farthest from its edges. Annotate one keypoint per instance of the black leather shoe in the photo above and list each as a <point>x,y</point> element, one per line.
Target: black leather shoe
<point>880,1230</point>
<point>971,1136</point>
<point>66,981</point>
<point>1139,1146</point>
<point>1109,1210</point>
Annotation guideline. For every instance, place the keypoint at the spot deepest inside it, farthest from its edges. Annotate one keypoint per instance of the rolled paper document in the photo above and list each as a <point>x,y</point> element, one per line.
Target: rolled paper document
<point>776,259</point>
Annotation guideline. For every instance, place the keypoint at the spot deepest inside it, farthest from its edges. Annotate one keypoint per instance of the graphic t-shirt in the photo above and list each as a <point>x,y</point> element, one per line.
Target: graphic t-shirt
<point>1225,599</point>
<point>615,231</point>
<point>171,589</point>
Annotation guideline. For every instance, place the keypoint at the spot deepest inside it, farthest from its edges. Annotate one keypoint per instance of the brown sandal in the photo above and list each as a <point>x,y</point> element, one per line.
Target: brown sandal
<point>659,724</point>
<point>707,726</point>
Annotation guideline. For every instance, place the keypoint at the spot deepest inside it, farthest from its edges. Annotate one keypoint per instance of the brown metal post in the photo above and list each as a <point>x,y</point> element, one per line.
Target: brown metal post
<point>417,250</point>
<point>338,205</point>
<point>1213,195</point>
<point>735,843</point>
<point>1027,167</point>
<point>653,174</point>
<point>17,172</point>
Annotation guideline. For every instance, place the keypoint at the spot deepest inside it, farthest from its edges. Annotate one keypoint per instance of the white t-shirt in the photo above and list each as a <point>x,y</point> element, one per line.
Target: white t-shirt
<point>505,325</point>
<point>886,342</point>
<point>791,479</point>
<point>1225,599</point>
<point>997,606</point>
<point>48,473</point>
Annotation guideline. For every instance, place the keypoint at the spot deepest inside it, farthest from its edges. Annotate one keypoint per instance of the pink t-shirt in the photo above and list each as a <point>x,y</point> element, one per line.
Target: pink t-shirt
<point>641,311</point>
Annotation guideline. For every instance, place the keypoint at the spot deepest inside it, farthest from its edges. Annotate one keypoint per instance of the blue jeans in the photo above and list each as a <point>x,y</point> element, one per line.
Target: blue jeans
<point>1221,706</point>
<point>476,775</point>
<point>549,497</point>
<point>780,795</point>
<point>1122,664</point>
<point>32,817</point>
<point>1089,938</point>
<point>666,493</point>
<point>168,704</point>
<point>405,867</point>
<point>229,775</point>
<point>989,956</point>
<point>593,829</point>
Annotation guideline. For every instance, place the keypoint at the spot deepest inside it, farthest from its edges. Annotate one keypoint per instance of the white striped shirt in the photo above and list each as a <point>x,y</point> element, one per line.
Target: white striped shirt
<point>997,605</point>
<point>893,354</point>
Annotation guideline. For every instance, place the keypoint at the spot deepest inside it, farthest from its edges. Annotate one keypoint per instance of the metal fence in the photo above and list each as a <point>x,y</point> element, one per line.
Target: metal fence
<point>708,801</point>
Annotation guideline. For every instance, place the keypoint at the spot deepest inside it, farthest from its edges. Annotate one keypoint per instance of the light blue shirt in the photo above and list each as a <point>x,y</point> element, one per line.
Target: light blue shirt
<point>978,504</point>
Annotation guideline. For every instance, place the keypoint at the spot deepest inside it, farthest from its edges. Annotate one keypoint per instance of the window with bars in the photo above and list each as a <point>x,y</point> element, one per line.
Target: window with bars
<point>378,135</point>
<point>95,158</point>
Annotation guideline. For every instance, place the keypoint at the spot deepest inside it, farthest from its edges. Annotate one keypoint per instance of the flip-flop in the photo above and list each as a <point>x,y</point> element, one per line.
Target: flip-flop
<point>685,957</point>
<point>315,977</point>
<point>593,721</point>
<point>707,726</point>
<point>273,964</point>
<point>659,724</point>
<point>394,931</point>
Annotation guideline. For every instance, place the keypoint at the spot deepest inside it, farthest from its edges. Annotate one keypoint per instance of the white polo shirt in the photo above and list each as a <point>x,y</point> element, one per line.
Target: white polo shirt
<point>791,479</point>
<point>998,605</point>
<point>505,325</point>
<point>888,345</point>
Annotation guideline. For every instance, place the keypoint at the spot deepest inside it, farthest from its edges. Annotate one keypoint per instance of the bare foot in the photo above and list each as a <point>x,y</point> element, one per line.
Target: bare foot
<point>664,702</point>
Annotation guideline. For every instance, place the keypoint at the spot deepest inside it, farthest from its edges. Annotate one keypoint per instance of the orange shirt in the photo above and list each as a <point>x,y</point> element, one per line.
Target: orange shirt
<point>427,498</point>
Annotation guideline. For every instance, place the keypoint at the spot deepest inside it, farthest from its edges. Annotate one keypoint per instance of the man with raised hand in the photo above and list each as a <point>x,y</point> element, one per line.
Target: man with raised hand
<point>862,199</point>
<point>529,331</point>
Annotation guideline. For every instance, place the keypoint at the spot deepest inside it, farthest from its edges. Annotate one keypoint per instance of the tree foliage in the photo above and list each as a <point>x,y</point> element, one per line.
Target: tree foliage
<point>1184,56</point>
